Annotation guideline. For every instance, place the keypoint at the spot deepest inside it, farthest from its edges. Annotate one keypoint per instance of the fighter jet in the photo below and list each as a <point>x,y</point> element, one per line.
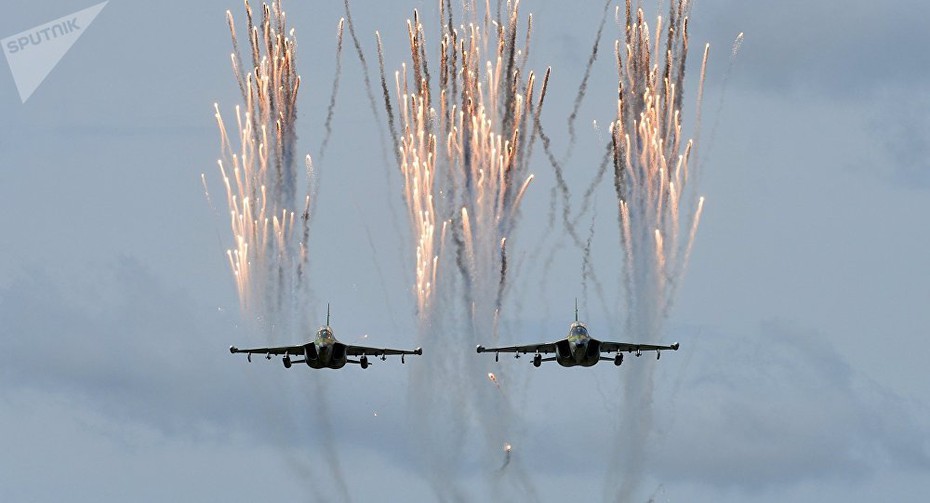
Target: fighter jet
<point>578,348</point>
<point>326,352</point>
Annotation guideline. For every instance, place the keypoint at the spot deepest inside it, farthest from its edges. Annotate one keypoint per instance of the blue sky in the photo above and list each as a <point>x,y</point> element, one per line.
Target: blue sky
<point>802,317</point>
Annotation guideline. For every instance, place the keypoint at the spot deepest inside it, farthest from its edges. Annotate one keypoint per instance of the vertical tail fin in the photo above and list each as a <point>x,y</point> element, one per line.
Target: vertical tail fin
<point>327,314</point>
<point>576,308</point>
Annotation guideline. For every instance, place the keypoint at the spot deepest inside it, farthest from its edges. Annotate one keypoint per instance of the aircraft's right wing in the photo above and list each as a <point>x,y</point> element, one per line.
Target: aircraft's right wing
<point>280,350</point>
<point>546,347</point>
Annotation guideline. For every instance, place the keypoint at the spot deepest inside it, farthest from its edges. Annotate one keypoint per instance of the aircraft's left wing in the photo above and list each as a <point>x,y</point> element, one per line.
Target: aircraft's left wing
<point>362,350</point>
<point>626,347</point>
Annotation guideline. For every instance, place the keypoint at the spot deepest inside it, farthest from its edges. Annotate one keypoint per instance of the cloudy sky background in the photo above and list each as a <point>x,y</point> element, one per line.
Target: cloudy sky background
<point>802,318</point>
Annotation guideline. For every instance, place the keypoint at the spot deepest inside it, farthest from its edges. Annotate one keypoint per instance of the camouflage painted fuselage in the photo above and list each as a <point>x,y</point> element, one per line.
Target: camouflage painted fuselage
<point>578,348</point>
<point>324,351</point>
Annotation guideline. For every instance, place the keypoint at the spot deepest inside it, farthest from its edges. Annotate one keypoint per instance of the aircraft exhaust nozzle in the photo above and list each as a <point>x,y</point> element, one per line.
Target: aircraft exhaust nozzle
<point>480,348</point>
<point>675,346</point>
<point>418,351</point>
<point>233,349</point>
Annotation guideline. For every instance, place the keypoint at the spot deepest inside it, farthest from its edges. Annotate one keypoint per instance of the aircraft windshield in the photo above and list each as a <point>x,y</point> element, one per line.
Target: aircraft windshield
<point>578,332</point>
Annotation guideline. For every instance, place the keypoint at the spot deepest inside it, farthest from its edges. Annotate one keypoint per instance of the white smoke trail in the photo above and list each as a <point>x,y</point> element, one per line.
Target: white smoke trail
<point>651,173</point>
<point>328,125</point>
<point>462,150</point>
<point>270,220</point>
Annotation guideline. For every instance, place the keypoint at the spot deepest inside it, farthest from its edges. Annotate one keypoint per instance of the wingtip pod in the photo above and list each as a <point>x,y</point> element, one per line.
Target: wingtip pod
<point>675,346</point>
<point>233,349</point>
<point>480,348</point>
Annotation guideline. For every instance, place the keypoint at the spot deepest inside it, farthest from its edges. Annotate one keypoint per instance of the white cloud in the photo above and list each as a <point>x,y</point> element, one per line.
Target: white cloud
<point>779,408</point>
<point>832,49</point>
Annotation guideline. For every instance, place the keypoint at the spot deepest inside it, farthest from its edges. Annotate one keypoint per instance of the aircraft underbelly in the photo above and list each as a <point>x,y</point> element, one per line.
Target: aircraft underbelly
<point>566,362</point>
<point>323,356</point>
<point>581,355</point>
<point>336,356</point>
<point>337,364</point>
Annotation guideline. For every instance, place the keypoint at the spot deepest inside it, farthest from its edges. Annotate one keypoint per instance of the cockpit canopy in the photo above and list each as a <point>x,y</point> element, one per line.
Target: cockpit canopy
<point>578,331</point>
<point>325,334</point>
